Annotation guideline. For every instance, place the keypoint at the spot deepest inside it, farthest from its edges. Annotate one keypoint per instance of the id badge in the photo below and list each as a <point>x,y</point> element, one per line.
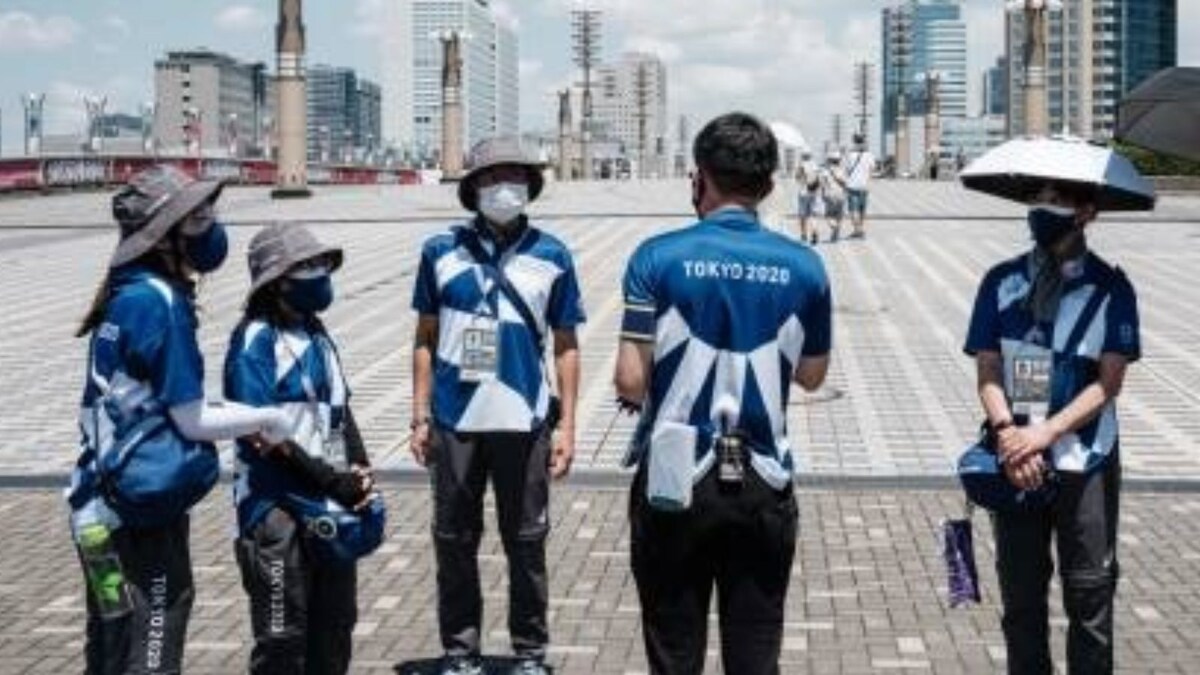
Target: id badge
<point>335,448</point>
<point>481,351</point>
<point>1030,377</point>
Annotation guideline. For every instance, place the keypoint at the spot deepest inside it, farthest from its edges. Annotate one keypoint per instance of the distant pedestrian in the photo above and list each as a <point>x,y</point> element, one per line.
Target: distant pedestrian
<point>808,179</point>
<point>833,193</point>
<point>721,317</point>
<point>860,166</point>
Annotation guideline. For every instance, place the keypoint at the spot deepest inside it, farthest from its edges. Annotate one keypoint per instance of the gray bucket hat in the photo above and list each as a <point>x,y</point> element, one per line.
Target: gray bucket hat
<point>154,201</point>
<point>277,247</point>
<point>499,151</point>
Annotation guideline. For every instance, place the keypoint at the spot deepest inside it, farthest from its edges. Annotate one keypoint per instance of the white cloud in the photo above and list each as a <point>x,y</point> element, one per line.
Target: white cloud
<point>242,18</point>
<point>369,17</point>
<point>117,24</point>
<point>20,31</point>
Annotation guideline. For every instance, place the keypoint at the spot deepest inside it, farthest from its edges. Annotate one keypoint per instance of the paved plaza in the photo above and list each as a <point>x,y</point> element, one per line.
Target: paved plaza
<point>875,446</point>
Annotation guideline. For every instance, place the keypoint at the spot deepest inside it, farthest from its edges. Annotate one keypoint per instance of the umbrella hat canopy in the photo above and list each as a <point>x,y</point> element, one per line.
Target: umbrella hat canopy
<point>1163,113</point>
<point>1019,169</point>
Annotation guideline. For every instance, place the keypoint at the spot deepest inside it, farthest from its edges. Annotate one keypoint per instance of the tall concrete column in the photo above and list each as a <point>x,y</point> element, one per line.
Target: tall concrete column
<point>291,173</point>
<point>1037,121</point>
<point>452,109</point>
<point>564,135</point>
<point>933,117</point>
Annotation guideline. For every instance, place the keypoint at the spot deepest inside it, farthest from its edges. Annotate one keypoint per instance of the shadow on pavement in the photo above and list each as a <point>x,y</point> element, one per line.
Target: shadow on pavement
<point>492,665</point>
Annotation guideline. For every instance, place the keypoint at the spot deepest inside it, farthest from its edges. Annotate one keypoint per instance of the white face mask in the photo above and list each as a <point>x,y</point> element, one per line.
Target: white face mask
<point>503,203</point>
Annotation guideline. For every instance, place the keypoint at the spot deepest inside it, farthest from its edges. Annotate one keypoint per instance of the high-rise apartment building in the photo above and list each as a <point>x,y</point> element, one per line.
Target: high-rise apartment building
<point>921,37</point>
<point>630,106</point>
<point>1097,51</point>
<point>412,72</point>
<point>995,88</point>
<point>209,100</point>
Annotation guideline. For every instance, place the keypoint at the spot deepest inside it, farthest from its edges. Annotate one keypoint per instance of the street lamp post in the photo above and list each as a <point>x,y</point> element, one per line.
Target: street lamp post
<point>33,104</point>
<point>95,106</point>
<point>148,110</point>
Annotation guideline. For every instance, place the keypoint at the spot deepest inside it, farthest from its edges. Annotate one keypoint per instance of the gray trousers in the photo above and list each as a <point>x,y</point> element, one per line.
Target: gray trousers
<point>157,566</point>
<point>1083,522</point>
<point>302,610</point>
<point>459,467</point>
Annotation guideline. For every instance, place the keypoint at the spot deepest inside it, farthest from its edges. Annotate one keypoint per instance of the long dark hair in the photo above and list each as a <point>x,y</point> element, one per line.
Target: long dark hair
<point>162,262</point>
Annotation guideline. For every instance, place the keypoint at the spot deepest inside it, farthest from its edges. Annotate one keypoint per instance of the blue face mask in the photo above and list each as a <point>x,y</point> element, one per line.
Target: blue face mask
<point>1050,224</point>
<point>309,295</point>
<point>206,252</point>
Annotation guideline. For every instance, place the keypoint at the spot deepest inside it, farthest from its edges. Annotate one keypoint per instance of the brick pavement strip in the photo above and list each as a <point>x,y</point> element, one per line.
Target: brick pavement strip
<point>867,593</point>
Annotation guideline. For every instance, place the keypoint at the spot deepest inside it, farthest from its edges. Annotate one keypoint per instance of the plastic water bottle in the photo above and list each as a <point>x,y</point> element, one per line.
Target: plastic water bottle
<point>105,577</point>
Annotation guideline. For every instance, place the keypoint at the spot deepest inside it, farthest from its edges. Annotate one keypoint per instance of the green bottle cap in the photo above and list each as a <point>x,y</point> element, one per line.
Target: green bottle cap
<point>93,536</point>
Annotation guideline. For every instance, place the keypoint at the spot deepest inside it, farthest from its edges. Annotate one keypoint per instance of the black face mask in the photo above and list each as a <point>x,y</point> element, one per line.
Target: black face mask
<point>698,188</point>
<point>1049,228</point>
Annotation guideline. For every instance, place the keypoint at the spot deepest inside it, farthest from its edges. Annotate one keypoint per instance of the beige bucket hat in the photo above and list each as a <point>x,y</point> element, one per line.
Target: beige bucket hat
<point>154,201</point>
<point>278,247</point>
<point>499,151</point>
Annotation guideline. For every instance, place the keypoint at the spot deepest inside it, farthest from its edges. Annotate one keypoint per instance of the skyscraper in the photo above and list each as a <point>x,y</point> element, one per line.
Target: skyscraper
<point>922,36</point>
<point>413,72</point>
<point>1097,51</point>
<point>995,88</point>
<point>631,107</point>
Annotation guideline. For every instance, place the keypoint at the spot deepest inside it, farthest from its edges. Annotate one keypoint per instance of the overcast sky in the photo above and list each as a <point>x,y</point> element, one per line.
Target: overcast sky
<point>788,60</point>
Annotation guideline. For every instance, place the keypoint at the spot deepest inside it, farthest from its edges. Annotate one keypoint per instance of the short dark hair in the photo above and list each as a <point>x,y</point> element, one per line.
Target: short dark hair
<point>738,153</point>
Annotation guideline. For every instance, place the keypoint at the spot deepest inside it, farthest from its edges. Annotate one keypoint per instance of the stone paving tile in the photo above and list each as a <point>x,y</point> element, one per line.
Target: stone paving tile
<point>867,592</point>
<point>899,400</point>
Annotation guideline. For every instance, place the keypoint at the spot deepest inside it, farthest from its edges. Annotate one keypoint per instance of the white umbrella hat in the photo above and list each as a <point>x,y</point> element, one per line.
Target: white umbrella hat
<point>1018,170</point>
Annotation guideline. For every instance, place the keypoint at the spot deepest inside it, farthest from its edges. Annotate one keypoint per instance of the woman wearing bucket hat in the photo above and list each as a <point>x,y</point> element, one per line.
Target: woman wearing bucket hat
<point>306,509</point>
<point>145,392</point>
<point>1052,333</point>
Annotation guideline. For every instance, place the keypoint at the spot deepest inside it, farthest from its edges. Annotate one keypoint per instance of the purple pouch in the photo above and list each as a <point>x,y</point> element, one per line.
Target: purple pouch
<point>959,552</point>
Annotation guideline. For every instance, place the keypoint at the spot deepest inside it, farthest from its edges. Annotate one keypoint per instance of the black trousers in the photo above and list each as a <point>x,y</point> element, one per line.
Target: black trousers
<point>459,466</point>
<point>157,566</point>
<point>302,610</point>
<point>742,541</point>
<point>1083,522</point>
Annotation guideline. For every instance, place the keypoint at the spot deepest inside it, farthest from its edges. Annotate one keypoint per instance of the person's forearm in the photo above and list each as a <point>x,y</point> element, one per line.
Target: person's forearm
<point>1081,410</point>
<point>422,382</point>
<point>218,421</point>
<point>566,365</point>
<point>990,375</point>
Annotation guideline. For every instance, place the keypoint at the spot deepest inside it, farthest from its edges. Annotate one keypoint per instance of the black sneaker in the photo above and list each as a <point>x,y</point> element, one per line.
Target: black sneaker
<point>462,665</point>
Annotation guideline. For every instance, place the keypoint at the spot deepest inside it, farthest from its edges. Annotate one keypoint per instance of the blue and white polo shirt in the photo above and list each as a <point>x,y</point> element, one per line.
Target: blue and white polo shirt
<point>144,354</point>
<point>144,351</point>
<point>268,366</point>
<point>731,307</point>
<point>453,286</point>
<point>1001,322</point>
